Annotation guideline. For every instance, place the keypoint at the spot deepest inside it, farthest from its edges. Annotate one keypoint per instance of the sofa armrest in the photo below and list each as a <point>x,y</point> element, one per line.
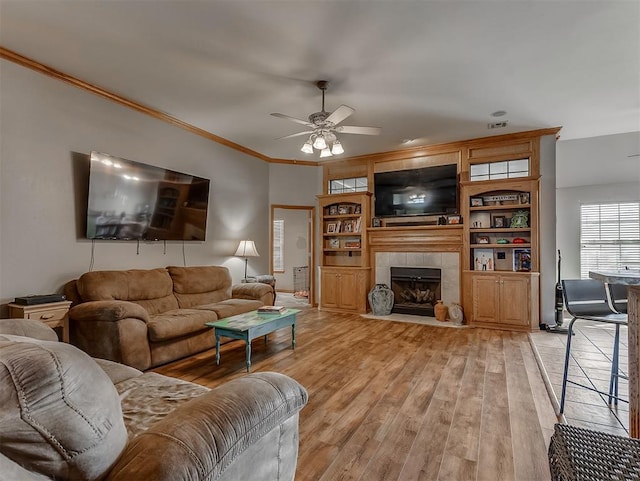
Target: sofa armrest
<point>113,330</point>
<point>109,311</point>
<point>255,291</point>
<point>244,429</point>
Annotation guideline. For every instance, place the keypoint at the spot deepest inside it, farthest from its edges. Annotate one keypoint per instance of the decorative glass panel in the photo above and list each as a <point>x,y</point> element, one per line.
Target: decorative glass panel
<point>506,169</point>
<point>353,184</point>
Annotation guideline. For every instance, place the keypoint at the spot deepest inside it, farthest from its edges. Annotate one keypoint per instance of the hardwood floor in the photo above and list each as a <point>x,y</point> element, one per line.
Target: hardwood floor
<point>400,401</point>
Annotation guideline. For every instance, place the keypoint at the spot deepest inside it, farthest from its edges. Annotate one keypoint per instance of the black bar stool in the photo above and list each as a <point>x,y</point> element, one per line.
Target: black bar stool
<point>587,299</point>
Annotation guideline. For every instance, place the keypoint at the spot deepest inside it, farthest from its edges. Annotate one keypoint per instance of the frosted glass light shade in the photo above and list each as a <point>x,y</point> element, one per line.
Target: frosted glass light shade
<point>325,152</point>
<point>337,148</point>
<point>320,143</point>
<point>307,147</point>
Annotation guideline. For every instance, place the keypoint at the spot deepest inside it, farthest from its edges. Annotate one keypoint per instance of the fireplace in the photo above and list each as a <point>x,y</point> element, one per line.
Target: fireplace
<point>415,290</point>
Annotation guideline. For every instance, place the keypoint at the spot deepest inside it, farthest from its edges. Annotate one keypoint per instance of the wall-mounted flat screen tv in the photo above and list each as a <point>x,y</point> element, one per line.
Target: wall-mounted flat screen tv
<point>423,191</point>
<point>134,201</point>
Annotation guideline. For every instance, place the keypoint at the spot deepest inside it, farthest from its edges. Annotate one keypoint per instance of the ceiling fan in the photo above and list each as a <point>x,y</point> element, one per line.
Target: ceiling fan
<point>324,127</point>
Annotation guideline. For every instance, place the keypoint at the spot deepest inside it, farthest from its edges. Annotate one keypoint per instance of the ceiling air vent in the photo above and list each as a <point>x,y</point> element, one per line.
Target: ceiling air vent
<point>497,125</point>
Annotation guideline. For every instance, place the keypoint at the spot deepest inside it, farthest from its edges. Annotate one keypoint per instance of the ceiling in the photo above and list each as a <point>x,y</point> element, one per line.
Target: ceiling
<point>423,70</point>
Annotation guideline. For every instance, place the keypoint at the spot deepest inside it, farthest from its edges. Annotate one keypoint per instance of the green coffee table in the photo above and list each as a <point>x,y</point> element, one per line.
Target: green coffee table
<point>252,325</point>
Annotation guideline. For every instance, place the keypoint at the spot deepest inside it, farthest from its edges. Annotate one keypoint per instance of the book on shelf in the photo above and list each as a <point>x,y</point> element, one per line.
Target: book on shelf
<point>352,243</point>
<point>271,310</point>
<point>522,260</point>
<point>483,260</point>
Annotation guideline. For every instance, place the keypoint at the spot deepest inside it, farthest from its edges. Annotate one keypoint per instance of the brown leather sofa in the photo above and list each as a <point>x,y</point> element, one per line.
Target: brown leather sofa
<point>66,416</point>
<point>144,318</point>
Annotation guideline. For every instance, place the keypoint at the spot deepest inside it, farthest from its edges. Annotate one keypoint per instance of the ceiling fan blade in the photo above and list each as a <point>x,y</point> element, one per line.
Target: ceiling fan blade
<point>293,119</point>
<point>339,114</point>
<point>296,134</point>
<point>352,129</point>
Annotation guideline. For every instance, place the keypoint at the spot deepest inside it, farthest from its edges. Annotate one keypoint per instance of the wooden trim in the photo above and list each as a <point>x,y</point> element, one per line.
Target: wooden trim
<point>305,163</point>
<point>444,158</point>
<point>94,89</point>
<point>434,149</point>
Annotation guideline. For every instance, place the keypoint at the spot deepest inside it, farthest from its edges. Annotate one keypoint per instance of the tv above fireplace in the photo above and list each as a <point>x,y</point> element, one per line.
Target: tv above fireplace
<point>423,191</point>
<point>134,201</point>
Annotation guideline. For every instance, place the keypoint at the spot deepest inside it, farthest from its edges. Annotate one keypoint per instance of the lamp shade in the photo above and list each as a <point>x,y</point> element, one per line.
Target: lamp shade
<point>247,248</point>
<point>337,148</point>
<point>307,147</point>
<point>325,152</point>
<point>320,143</point>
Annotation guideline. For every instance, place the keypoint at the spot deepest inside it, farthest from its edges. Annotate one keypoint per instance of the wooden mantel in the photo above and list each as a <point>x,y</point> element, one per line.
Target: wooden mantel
<point>436,238</point>
<point>431,238</point>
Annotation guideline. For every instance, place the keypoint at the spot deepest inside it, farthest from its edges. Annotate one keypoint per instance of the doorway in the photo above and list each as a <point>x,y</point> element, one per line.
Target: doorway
<point>291,257</point>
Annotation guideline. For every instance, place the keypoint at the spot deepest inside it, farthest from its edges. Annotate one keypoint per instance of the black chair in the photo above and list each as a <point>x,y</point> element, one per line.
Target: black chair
<point>589,300</point>
<point>618,297</point>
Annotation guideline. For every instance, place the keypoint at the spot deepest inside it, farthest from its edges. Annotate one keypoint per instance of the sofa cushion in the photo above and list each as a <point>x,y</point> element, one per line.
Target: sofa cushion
<point>61,414</point>
<point>198,285</point>
<point>152,289</point>
<point>178,322</point>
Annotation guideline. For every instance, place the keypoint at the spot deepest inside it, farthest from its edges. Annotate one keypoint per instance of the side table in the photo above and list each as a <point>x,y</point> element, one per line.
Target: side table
<point>53,314</point>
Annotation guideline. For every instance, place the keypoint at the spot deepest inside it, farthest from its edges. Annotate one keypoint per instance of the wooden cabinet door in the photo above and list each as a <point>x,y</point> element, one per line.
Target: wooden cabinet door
<point>348,290</point>
<point>486,298</point>
<point>329,289</point>
<point>515,293</point>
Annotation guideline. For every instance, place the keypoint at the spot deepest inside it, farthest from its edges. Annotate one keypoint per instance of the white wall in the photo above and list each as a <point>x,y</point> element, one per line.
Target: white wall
<point>47,128</point>
<point>298,185</point>
<point>596,169</point>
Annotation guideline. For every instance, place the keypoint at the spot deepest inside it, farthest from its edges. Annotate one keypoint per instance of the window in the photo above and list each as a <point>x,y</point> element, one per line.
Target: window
<point>355,184</point>
<point>609,236</point>
<point>278,245</point>
<point>507,169</point>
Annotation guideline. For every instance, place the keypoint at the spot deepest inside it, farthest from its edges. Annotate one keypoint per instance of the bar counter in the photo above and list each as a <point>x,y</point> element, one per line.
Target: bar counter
<point>631,278</point>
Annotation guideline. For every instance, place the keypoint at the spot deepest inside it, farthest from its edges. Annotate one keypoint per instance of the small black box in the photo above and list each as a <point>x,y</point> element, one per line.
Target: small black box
<point>39,299</point>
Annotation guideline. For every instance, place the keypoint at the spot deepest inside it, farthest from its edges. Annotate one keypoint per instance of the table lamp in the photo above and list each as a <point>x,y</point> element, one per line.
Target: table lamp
<point>246,249</point>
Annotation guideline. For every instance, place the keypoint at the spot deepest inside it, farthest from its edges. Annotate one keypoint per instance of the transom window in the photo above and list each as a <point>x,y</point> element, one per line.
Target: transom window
<point>609,236</point>
<point>354,184</point>
<point>507,169</point>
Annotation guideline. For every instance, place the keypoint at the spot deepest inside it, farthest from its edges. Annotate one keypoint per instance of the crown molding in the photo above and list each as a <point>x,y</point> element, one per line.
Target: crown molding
<point>99,91</point>
<point>381,156</point>
<point>433,149</point>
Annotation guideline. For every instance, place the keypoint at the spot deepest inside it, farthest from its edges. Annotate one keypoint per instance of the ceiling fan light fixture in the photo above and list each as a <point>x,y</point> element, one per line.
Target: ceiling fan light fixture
<point>307,147</point>
<point>337,149</point>
<point>320,143</point>
<point>325,152</point>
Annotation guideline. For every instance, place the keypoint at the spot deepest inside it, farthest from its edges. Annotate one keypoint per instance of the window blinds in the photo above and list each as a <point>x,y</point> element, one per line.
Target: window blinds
<point>278,245</point>
<point>609,236</point>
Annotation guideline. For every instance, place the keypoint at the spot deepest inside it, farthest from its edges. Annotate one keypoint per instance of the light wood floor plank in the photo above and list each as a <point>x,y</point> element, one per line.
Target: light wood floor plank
<point>529,444</point>
<point>401,401</point>
<point>495,454</point>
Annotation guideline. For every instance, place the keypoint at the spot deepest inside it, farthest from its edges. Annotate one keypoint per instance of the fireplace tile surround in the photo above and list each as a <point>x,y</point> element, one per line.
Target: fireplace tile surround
<point>448,262</point>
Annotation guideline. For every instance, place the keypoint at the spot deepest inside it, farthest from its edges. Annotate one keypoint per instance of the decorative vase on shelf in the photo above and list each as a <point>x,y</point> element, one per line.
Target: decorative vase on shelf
<point>381,300</point>
<point>456,314</point>
<point>440,311</point>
